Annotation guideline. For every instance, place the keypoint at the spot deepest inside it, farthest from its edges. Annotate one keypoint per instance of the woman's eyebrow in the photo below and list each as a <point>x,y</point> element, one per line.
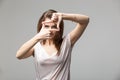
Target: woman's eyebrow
<point>54,25</point>
<point>46,25</point>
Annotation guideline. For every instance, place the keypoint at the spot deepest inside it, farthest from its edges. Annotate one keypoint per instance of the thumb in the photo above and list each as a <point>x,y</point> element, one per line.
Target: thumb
<point>43,26</point>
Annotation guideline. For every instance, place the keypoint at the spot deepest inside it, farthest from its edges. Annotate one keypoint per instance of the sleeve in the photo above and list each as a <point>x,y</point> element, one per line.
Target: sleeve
<point>66,47</point>
<point>67,41</point>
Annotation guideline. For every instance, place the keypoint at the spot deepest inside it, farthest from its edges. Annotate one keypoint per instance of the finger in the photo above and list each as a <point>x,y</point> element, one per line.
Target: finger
<point>49,21</point>
<point>43,26</point>
<point>54,17</point>
<point>58,23</point>
<point>54,30</point>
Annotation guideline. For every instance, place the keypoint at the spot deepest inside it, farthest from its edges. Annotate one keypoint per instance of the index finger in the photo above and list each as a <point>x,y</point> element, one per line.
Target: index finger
<point>47,21</point>
<point>54,29</point>
<point>58,23</point>
<point>43,26</point>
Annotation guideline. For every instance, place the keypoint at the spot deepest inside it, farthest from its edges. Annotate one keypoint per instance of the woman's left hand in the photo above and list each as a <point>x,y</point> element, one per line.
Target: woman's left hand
<point>57,17</point>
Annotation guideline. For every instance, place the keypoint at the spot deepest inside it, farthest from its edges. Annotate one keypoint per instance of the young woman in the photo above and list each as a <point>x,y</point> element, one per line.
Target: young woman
<point>50,50</point>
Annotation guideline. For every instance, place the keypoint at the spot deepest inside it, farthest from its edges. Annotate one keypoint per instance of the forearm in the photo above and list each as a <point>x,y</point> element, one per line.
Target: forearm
<point>25,48</point>
<point>79,18</point>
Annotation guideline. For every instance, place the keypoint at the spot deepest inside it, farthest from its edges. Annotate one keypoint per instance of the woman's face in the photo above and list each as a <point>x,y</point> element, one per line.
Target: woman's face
<point>51,26</point>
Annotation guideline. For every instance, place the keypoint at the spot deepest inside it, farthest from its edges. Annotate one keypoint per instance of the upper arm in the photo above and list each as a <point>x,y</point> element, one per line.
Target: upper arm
<point>76,33</point>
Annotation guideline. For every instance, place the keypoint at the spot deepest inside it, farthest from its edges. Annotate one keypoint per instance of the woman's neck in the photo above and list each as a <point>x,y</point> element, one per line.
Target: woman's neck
<point>49,42</point>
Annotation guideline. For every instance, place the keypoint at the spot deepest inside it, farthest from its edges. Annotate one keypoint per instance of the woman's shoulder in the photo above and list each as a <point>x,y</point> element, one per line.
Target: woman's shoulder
<point>66,37</point>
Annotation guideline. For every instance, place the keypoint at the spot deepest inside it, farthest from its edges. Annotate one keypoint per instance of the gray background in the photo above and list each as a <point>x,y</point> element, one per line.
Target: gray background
<point>96,56</point>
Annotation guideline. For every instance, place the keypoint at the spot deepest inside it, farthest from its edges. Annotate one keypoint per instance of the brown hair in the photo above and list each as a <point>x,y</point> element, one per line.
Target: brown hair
<point>58,36</point>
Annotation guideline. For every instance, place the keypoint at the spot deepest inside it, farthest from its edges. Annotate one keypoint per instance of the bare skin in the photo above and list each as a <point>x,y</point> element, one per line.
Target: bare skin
<point>48,32</point>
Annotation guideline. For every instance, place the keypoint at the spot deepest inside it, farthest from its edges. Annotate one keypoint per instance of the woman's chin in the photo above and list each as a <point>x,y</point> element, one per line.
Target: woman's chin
<point>50,37</point>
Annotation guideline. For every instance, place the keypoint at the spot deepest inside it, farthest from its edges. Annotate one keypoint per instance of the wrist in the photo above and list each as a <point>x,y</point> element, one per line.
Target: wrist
<point>66,16</point>
<point>37,38</point>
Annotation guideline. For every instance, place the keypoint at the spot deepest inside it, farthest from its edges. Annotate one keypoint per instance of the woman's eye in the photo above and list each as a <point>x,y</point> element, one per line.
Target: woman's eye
<point>46,26</point>
<point>54,26</point>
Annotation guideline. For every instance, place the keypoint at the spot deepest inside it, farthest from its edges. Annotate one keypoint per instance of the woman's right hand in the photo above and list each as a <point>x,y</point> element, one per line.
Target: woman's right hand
<point>43,34</point>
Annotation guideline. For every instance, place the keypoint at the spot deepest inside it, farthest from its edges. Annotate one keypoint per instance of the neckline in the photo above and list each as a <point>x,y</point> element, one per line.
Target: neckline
<point>53,54</point>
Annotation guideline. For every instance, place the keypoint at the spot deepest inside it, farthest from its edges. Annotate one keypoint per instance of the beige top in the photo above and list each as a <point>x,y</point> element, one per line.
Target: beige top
<point>53,67</point>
